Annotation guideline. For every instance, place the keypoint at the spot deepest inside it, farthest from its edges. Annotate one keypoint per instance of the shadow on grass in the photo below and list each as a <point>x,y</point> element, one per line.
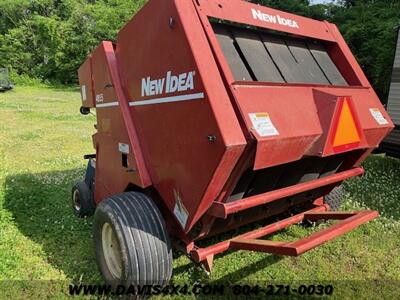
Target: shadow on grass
<point>40,205</point>
<point>196,273</point>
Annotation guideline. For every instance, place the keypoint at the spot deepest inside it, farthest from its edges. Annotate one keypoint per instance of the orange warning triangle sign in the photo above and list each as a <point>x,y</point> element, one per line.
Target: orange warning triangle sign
<point>346,131</point>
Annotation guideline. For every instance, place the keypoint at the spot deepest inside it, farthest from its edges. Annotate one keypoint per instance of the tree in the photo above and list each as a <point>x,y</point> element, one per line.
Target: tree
<point>369,28</point>
<point>49,39</point>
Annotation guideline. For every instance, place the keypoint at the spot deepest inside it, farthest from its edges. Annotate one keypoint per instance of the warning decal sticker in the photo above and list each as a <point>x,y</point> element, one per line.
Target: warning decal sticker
<point>180,210</point>
<point>378,116</point>
<point>263,125</point>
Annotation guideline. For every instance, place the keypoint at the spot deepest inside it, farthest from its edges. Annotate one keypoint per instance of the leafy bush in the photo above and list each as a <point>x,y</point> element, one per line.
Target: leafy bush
<point>26,80</point>
<point>49,39</point>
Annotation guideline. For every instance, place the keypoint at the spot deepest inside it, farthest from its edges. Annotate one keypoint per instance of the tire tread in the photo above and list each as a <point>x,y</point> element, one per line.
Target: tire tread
<point>143,228</point>
<point>335,198</point>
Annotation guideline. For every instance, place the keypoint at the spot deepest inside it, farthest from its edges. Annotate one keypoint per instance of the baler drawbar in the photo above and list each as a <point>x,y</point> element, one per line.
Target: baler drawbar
<point>215,114</point>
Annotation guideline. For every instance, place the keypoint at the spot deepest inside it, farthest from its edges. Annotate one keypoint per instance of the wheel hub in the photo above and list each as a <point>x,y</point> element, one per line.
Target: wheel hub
<point>77,200</point>
<point>111,251</point>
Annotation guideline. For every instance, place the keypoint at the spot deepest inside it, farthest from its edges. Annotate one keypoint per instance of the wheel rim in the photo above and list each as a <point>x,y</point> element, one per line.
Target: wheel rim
<point>77,200</point>
<point>111,251</point>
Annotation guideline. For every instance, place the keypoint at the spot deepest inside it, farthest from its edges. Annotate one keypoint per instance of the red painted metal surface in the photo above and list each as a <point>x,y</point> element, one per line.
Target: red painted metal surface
<point>129,122</point>
<point>296,121</point>
<point>85,75</point>
<point>330,106</point>
<point>242,12</point>
<point>308,120</point>
<point>115,126</point>
<point>222,210</point>
<point>166,98</point>
<point>184,163</point>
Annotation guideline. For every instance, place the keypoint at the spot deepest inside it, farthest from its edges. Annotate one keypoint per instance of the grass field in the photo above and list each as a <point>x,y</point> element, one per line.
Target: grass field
<point>43,247</point>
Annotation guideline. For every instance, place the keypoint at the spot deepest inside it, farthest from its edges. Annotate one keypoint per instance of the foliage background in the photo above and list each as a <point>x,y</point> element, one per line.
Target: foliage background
<point>49,39</point>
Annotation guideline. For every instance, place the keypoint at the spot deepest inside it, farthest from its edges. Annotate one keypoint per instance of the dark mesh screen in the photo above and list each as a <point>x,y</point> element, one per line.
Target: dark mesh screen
<point>267,57</point>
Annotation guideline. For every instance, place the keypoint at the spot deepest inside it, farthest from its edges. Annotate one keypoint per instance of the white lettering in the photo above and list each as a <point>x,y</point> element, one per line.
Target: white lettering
<point>145,86</point>
<point>190,81</point>
<point>100,98</point>
<point>171,84</point>
<point>258,15</point>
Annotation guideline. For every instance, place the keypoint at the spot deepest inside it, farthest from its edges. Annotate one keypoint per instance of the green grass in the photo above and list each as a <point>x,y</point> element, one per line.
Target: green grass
<point>43,247</point>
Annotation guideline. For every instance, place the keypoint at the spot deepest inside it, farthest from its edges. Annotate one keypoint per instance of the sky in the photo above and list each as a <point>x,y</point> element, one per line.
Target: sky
<point>319,1</point>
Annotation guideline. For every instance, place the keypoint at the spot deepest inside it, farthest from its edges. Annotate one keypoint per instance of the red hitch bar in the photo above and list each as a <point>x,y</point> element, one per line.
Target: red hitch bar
<point>250,240</point>
<point>222,210</point>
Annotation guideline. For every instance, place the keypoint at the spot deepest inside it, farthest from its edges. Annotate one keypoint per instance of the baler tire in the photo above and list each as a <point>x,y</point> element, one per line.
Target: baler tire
<point>335,198</point>
<point>83,206</point>
<point>141,241</point>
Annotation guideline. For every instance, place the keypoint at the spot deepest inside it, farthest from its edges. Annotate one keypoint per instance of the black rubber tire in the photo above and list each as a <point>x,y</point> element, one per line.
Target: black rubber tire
<point>335,198</point>
<point>145,248</point>
<point>84,206</point>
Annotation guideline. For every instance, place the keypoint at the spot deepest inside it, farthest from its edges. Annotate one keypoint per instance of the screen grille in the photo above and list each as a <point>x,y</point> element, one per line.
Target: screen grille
<point>261,56</point>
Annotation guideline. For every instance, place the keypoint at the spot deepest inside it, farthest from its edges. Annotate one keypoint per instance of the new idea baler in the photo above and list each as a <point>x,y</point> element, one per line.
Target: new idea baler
<point>216,114</point>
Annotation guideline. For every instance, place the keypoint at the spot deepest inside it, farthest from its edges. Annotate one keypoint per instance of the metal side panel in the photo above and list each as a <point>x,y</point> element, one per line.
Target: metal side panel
<point>325,62</point>
<point>285,61</point>
<point>306,61</point>
<point>257,56</point>
<point>233,58</point>
<point>394,102</point>
<point>393,106</point>
<point>397,56</point>
<point>396,74</point>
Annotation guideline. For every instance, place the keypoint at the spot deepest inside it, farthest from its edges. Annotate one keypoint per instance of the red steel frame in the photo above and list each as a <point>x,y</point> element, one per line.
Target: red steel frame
<point>248,241</point>
<point>226,103</point>
<point>222,210</point>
